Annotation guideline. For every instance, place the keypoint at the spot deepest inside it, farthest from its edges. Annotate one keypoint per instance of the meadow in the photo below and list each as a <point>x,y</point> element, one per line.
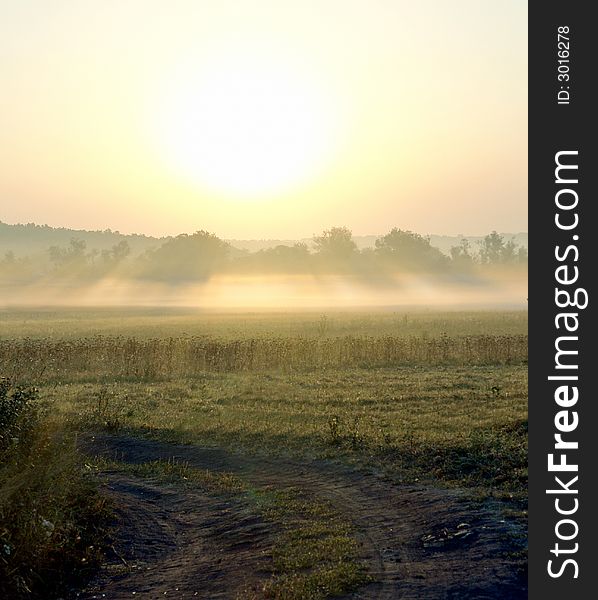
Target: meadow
<point>143,323</point>
<point>437,399</point>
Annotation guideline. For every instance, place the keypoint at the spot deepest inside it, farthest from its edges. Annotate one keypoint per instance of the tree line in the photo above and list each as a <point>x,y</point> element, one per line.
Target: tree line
<point>199,255</point>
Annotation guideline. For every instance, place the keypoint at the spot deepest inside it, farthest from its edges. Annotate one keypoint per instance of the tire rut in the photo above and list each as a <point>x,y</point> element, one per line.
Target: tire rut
<point>418,542</point>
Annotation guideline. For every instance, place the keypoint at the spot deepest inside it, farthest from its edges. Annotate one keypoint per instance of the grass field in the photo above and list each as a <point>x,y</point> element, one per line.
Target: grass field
<point>144,323</point>
<point>437,399</point>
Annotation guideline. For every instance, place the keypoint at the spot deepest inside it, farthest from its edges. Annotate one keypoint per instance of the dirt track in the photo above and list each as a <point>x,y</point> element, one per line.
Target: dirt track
<point>418,542</point>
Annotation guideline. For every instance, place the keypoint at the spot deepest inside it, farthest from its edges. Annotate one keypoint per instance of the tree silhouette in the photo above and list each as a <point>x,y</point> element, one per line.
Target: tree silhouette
<point>117,253</point>
<point>494,250</point>
<point>74,254</point>
<point>461,254</point>
<point>409,249</point>
<point>186,257</point>
<point>335,243</point>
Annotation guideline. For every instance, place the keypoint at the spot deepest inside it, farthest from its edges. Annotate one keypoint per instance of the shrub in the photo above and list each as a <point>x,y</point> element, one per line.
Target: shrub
<point>18,414</point>
<point>51,517</point>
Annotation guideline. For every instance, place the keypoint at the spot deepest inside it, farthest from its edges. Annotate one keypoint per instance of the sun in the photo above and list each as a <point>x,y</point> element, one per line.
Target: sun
<point>245,128</point>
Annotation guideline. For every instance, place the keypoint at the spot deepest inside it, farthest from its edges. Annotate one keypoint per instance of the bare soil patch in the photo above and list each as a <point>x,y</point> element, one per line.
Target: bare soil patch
<point>418,542</point>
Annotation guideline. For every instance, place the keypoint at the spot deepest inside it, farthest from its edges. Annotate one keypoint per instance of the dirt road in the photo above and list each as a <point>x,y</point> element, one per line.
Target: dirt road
<point>418,542</point>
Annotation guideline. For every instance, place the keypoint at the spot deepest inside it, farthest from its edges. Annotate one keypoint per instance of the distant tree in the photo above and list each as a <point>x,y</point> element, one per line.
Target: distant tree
<point>285,256</point>
<point>461,254</point>
<point>93,253</point>
<point>509,252</point>
<point>336,243</point>
<point>296,250</point>
<point>522,255</point>
<point>74,254</point>
<point>491,248</point>
<point>186,257</point>
<point>494,250</point>
<point>409,249</point>
<point>117,253</point>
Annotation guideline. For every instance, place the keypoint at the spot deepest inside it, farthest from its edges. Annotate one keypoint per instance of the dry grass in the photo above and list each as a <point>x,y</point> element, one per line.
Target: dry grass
<point>147,323</point>
<point>101,358</point>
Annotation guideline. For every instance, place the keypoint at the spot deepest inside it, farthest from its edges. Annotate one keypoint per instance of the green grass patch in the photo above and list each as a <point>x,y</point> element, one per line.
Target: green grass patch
<point>464,426</point>
<point>315,555</point>
<point>173,471</point>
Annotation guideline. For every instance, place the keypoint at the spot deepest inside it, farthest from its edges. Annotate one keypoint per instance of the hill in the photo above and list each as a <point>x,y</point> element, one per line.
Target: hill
<point>31,239</point>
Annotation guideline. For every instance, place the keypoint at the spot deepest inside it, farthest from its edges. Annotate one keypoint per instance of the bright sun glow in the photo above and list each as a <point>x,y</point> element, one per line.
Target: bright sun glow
<point>246,129</point>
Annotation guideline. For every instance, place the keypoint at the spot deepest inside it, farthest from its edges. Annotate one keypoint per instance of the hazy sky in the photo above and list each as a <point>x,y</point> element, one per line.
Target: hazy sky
<point>264,118</point>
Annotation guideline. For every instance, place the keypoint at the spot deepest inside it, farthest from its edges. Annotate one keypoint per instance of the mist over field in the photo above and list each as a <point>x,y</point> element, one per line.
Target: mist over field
<point>275,292</point>
<point>400,268</point>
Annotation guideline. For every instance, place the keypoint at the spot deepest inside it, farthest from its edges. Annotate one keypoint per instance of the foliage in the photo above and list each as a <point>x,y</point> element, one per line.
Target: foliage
<point>18,414</point>
<point>462,254</point>
<point>335,243</point>
<point>494,250</point>
<point>117,253</point>
<point>196,257</point>
<point>185,257</point>
<point>74,254</point>
<point>288,259</point>
<point>50,515</point>
<point>410,250</point>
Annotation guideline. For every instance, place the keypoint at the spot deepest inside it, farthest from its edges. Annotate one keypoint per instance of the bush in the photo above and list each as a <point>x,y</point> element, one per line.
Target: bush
<point>51,517</point>
<point>18,414</point>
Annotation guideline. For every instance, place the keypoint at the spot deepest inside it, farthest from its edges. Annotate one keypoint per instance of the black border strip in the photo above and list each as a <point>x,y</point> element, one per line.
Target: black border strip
<point>555,127</point>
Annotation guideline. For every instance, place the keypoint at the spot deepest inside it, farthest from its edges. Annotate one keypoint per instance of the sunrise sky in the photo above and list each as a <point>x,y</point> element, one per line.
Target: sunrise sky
<point>264,118</point>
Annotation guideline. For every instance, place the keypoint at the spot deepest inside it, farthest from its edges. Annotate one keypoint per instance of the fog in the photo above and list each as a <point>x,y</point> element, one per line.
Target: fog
<point>502,288</point>
<point>201,270</point>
